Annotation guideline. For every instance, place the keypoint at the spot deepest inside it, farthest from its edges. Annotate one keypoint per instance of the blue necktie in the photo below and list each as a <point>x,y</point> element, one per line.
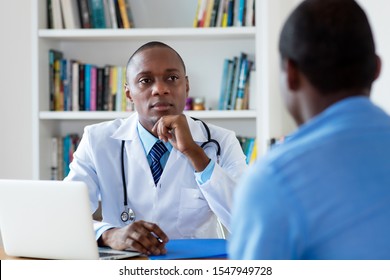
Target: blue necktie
<point>157,151</point>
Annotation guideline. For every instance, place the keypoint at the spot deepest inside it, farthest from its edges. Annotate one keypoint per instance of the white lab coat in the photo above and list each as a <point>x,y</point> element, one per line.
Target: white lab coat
<point>178,204</point>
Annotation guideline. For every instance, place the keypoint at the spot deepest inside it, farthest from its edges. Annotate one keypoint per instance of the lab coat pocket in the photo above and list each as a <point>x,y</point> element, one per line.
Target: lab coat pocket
<point>194,211</point>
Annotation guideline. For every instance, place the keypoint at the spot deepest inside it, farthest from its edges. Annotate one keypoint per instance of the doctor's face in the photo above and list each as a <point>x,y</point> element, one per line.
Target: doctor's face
<point>157,84</point>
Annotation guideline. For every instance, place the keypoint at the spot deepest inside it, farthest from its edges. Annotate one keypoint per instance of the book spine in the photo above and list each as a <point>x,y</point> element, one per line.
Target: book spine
<point>236,80</point>
<point>113,88</point>
<point>107,93</point>
<point>123,13</point>
<point>113,15</point>
<point>118,14</point>
<point>57,14</point>
<point>209,10</point>
<point>214,14</point>
<point>226,65</point>
<point>97,13</point>
<point>100,89</point>
<point>87,87</point>
<point>241,13</point>
<point>93,88</point>
<point>84,13</point>
<point>75,86</point>
<point>53,56</point>
<point>82,87</point>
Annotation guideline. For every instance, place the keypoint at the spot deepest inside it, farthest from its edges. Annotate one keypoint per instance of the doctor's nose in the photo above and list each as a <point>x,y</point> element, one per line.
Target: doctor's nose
<point>159,88</point>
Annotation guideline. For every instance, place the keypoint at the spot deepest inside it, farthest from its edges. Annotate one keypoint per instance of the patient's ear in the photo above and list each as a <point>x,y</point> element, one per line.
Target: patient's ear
<point>293,75</point>
<point>378,67</point>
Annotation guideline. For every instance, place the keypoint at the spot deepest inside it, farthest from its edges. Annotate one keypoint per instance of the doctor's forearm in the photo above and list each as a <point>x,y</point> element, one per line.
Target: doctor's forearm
<point>197,157</point>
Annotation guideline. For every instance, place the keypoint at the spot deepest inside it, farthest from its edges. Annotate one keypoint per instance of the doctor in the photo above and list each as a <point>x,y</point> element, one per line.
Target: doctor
<point>141,207</point>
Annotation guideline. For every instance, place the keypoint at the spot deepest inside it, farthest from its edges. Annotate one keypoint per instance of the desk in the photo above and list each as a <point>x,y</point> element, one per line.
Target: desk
<point>4,256</point>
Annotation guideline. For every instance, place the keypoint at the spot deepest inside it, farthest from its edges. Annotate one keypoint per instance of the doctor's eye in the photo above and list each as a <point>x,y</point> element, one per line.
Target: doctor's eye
<point>173,78</point>
<point>145,80</point>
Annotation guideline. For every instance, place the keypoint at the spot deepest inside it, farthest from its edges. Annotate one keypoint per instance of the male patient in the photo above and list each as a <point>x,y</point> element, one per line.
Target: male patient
<point>325,192</point>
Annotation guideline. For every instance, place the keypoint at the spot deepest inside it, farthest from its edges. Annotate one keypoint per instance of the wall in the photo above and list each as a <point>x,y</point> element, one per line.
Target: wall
<point>379,18</point>
<point>15,94</point>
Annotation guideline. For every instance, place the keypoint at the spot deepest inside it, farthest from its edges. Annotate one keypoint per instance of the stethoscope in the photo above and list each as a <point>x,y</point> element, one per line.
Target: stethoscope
<point>128,214</point>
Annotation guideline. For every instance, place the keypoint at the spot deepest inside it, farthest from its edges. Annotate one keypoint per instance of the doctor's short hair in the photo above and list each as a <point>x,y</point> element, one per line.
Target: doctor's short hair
<point>154,44</point>
<point>331,43</point>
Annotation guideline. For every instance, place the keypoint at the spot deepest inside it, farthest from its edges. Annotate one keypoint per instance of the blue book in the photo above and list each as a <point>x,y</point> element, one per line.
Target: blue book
<point>230,13</point>
<point>241,13</point>
<point>194,249</point>
<point>230,83</point>
<point>239,66</point>
<point>241,84</point>
<point>87,87</point>
<point>97,13</point>
<point>226,66</point>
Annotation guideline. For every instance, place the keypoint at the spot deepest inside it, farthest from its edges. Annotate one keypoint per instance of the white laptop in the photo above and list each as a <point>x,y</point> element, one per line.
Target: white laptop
<point>50,220</point>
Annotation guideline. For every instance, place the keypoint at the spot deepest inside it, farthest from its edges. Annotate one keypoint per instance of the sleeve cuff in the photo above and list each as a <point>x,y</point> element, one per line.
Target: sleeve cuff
<point>205,175</point>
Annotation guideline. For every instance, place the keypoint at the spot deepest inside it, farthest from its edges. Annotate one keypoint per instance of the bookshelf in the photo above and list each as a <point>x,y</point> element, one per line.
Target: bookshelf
<point>203,50</point>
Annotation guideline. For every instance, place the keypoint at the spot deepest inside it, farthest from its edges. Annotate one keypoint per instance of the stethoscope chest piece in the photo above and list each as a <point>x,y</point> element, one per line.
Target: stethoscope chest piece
<point>128,216</point>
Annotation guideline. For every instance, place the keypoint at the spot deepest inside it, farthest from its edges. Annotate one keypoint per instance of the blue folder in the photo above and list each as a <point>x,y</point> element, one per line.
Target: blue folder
<point>193,249</point>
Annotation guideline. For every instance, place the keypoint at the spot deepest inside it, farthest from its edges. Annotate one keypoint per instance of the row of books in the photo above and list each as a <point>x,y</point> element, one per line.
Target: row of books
<point>235,83</point>
<point>249,147</point>
<point>77,86</point>
<point>225,13</point>
<point>73,14</point>
<point>62,149</point>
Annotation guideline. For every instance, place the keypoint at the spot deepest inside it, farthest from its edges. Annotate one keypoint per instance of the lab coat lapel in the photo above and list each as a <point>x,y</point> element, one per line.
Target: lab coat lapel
<point>133,146</point>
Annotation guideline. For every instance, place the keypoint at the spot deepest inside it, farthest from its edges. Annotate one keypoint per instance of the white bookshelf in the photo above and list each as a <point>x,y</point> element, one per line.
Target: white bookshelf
<point>203,50</point>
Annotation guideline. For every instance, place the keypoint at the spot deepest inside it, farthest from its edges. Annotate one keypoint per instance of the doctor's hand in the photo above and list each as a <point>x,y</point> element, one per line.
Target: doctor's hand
<point>141,236</point>
<point>175,129</point>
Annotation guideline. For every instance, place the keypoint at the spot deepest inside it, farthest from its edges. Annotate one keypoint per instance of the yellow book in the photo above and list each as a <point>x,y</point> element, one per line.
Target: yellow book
<point>123,13</point>
<point>210,5</point>
<point>113,88</point>
<point>254,153</point>
<point>195,24</point>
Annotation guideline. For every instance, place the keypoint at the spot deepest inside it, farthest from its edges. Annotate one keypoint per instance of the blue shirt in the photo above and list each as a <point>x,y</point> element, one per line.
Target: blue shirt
<point>323,194</point>
<point>148,140</point>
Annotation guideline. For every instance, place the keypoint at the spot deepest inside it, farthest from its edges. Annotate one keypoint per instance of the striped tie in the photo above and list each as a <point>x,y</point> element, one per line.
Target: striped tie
<point>157,151</point>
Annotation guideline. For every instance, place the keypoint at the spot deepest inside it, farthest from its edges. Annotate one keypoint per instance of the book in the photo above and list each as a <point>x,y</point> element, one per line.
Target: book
<point>93,89</point>
<point>87,87</point>
<point>250,13</point>
<point>230,82</point>
<point>113,88</point>
<point>214,13</point>
<point>54,159</point>
<point>58,94</point>
<point>75,85</point>
<point>84,13</point>
<point>195,22</point>
<point>233,98</point>
<point>53,56</point>
<point>222,5</point>
<point>107,13</point>
<point>97,14</point>
<point>49,14</point>
<point>202,13</point>
<point>100,89</point>
<point>118,14</point>
<point>241,84</point>
<point>230,13</point>
<point>123,13</point>
<point>227,64</point>
<point>241,12</point>
<point>70,14</point>
<point>209,10</point>
<point>81,87</point>
<point>113,15</point>
<point>57,14</point>
<point>106,87</point>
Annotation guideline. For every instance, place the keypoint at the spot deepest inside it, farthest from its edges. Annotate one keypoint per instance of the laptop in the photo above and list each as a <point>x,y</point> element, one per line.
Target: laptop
<point>50,220</point>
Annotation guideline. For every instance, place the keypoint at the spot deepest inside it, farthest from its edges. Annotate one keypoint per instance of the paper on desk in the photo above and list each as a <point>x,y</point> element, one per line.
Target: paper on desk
<point>193,249</point>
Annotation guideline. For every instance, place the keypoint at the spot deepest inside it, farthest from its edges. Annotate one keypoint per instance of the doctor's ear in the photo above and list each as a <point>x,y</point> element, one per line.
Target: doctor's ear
<point>127,91</point>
